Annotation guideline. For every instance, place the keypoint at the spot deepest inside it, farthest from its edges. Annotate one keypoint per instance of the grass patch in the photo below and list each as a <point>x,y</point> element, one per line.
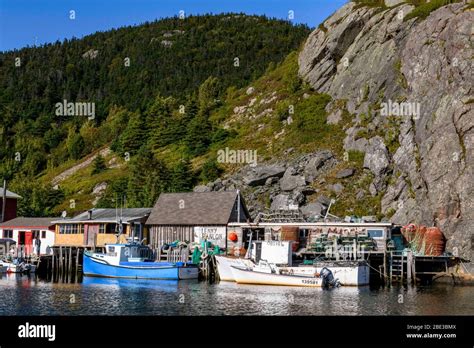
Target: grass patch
<point>370,3</point>
<point>423,8</point>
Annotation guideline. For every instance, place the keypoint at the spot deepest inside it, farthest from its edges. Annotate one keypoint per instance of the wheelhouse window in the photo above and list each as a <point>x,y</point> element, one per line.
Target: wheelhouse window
<point>36,234</point>
<point>43,234</point>
<point>102,228</point>
<point>7,233</point>
<point>375,233</point>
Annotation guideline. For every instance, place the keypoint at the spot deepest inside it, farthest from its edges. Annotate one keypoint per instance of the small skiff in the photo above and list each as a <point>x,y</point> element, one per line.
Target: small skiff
<point>244,275</point>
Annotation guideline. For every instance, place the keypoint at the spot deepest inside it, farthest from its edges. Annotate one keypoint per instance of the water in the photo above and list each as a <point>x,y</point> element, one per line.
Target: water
<point>23,295</point>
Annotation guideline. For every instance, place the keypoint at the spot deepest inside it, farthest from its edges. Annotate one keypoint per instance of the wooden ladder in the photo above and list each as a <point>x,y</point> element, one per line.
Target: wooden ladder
<point>397,261</point>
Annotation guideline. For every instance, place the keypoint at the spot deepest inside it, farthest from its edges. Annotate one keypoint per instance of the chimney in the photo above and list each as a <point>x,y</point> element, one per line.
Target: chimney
<point>89,212</point>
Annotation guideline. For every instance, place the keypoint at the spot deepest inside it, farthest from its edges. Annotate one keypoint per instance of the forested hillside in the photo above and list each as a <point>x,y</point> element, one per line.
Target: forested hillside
<point>153,87</point>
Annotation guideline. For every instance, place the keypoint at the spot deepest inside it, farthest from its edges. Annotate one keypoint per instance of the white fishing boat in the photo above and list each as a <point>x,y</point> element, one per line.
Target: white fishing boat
<point>224,264</point>
<point>267,274</point>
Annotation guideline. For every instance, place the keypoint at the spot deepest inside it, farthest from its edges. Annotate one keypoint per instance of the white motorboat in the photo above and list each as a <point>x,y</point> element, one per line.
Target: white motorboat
<point>268,274</point>
<point>17,267</point>
<point>224,264</point>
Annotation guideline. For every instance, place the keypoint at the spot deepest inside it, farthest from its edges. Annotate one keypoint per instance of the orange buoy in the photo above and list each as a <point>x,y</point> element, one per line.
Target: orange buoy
<point>233,237</point>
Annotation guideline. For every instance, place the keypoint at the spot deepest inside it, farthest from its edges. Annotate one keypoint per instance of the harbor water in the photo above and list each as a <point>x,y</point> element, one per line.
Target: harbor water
<point>29,295</point>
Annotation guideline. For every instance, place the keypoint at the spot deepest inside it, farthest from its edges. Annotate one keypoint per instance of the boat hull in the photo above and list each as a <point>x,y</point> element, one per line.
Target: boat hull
<point>348,275</point>
<point>93,267</point>
<point>246,276</point>
<point>224,264</point>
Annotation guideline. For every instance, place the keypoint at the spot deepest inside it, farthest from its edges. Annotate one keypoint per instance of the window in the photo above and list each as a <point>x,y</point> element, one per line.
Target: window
<point>43,234</point>
<point>70,229</point>
<point>35,234</point>
<point>7,233</point>
<point>110,228</point>
<point>375,233</point>
<point>102,228</point>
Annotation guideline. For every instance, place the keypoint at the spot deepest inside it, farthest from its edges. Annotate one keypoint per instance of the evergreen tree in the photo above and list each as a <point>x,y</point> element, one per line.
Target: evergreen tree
<point>198,135</point>
<point>98,165</point>
<point>210,171</point>
<point>163,126</point>
<point>182,177</point>
<point>148,178</point>
<point>133,137</point>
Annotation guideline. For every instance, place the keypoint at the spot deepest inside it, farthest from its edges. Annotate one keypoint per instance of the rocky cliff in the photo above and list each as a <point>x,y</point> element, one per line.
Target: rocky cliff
<point>375,59</point>
<point>402,95</point>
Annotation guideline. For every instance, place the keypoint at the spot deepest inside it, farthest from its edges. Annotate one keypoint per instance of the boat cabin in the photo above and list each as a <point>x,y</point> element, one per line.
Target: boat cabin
<point>116,254</point>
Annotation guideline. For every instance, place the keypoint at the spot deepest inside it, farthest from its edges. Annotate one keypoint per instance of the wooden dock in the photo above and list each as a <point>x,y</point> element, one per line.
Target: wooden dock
<point>64,264</point>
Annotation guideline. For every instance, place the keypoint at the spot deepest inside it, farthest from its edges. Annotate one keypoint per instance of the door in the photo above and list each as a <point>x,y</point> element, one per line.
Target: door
<point>90,234</point>
<point>28,242</point>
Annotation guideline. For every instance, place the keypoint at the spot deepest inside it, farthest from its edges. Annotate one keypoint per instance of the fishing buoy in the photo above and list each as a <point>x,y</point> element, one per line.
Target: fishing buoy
<point>233,237</point>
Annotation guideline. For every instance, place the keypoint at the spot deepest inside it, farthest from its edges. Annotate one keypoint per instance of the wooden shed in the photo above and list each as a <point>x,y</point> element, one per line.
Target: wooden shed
<point>194,216</point>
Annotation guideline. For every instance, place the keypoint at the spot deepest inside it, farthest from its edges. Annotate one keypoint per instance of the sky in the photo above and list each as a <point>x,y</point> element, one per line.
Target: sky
<point>29,22</point>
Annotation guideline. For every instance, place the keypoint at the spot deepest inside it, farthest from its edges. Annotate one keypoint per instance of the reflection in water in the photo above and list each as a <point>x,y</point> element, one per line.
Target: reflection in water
<point>23,295</point>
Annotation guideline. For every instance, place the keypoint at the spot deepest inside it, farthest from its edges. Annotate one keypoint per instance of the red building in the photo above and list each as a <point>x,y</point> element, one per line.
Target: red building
<point>11,205</point>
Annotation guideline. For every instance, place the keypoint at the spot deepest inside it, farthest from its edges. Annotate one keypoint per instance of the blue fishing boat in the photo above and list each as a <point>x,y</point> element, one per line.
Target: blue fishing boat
<point>134,261</point>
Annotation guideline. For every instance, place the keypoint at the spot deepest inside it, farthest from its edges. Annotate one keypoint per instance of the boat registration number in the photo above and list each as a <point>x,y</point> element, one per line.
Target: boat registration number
<point>309,281</point>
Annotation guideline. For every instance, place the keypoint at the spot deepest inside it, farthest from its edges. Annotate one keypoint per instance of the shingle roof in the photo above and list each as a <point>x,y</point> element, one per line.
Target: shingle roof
<point>28,222</point>
<point>199,208</point>
<point>109,215</point>
<point>10,194</point>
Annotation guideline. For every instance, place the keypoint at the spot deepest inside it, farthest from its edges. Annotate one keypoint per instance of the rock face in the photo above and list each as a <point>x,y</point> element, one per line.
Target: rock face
<point>259,175</point>
<point>370,58</point>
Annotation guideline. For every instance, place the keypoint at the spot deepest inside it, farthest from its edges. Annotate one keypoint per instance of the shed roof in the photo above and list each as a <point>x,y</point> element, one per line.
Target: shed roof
<point>106,215</point>
<point>193,208</point>
<point>28,222</point>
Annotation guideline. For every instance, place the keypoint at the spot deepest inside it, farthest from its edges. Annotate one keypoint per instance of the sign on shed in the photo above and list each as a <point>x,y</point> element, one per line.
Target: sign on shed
<point>213,234</point>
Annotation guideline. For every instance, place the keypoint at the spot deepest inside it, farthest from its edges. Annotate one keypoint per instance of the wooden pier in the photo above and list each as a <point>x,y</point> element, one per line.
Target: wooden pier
<point>64,264</point>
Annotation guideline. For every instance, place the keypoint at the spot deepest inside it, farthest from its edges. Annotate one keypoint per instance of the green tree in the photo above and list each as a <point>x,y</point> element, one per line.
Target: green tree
<point>75,144</point>
<point>163,126</point>
<point>98,165</point>
<point>182,177</point>
<point>149,177</point>
<point>210,171</point>
<point>133,137</point>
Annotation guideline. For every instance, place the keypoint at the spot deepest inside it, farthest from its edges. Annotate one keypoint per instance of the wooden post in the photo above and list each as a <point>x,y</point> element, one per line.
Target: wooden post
<point>401,268</point>
<point>52,264</point>
<point>414,270</point>
<point>61,262</point>
<point>70,262</point>
<point>409,265</point>
<point>391,266</point>
<point>77,263</point>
